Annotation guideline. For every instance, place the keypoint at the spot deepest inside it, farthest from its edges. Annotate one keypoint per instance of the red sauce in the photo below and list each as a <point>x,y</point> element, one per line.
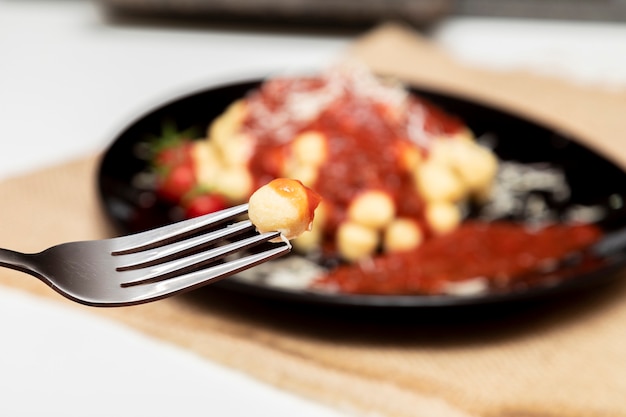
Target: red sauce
<point>302,197</point>
<point>350,121</point>
<point>502,253</point>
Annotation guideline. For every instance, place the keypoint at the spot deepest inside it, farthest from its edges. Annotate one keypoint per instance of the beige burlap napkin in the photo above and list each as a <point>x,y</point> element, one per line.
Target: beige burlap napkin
<point>564,359</point>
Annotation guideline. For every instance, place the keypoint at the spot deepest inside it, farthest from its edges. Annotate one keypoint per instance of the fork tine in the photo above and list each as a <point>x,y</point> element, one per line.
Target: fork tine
<point>177,249</point>
<point>167,234</point>
<point>179,266</point>
<point>161,289</point>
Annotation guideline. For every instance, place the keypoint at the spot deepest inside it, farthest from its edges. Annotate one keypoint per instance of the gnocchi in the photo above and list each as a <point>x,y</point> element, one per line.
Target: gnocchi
<point>392,169</point>
<point>283,205</point>
<point>402,234</point>
<point>374,209</point>
<point>443,217</point>
<point>356,241</point>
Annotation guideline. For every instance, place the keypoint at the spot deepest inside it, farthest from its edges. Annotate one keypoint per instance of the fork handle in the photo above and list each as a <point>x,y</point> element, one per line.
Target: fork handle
<point>15,260</point>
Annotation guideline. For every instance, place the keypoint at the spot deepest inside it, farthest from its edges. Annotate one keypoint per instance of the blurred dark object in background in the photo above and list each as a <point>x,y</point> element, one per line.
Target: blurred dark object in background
<point>303,12</point>
<point>362,12</point>
<point>601,10</point>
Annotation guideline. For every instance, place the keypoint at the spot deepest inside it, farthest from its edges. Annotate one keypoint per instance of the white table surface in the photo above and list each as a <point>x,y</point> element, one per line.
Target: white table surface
<point>69,80</point>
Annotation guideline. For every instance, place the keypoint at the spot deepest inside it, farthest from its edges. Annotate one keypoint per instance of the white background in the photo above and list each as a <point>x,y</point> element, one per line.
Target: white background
<point>69,80</point>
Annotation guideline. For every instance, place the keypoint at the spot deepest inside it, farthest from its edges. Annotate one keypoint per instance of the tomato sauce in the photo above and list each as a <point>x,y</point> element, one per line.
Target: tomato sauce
<point>350,121</point>
<point>305,199</point>
<point>500,253</point>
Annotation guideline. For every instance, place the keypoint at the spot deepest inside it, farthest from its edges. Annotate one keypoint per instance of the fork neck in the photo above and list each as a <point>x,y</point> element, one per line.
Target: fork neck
<point>15,260</point>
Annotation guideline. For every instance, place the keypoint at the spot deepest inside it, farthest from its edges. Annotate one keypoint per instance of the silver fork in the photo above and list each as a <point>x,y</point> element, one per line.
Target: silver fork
<point>150,265</point>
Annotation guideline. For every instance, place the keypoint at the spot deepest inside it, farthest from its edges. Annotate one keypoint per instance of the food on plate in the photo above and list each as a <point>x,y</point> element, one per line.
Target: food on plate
<point>356,241</point>
<point>373,208</point>
<point>283,205</point>
<point>489,256</point>
<point>402,234</point>
<point>395,175</point>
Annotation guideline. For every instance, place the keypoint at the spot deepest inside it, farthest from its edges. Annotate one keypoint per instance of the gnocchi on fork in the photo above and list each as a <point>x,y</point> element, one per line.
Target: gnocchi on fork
<point>162,262</point>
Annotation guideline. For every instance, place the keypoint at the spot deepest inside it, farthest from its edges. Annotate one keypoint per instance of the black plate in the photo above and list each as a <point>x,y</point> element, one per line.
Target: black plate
<point>593,181</point>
